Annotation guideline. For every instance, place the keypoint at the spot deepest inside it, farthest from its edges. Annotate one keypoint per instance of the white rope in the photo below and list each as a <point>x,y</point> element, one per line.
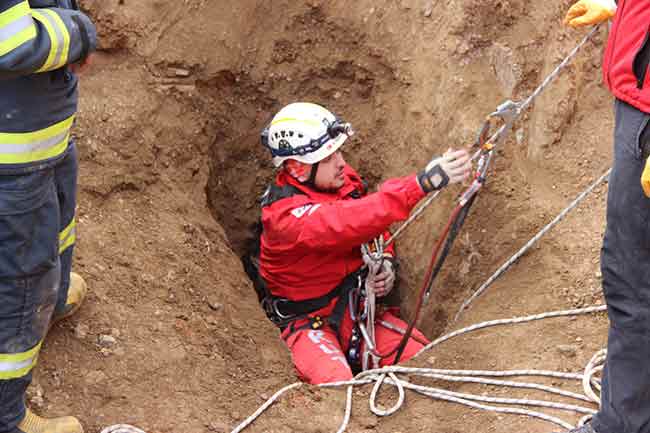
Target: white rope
<point>248,421</point>
<point>122,428</point>
<point>470,400</point>
<point>511,384</point>
<point>348,410</point>
<point>388,375</point>
<point>414,216</point>
<point>500,322</point>
<point>594,366</point>
<point>509,410</point>
<point>375,390</point>
<point>531,242</point>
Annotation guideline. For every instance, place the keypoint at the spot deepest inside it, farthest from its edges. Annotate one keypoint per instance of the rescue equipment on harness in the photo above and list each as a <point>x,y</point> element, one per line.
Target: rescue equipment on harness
<point>305,132</point>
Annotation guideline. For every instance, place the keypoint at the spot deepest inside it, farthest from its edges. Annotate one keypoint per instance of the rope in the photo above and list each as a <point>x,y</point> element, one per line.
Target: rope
<point>414,216</point>
<point>594,366</point>
<point>248,421</point>
<point>500,134</point>
<point>122,428</point>
<point>348,410</point>
<point>389,375</point>
<point>558,69</point>
<point>531,242</point>
<point>500,322</point>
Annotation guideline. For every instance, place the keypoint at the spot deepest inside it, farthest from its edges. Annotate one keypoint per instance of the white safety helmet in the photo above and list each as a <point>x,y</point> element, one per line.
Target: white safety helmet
<point>305,132</point>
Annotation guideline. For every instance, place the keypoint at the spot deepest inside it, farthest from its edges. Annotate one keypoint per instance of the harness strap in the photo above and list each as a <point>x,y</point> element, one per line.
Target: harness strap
<point>282,311</point>
<point>276,193</point>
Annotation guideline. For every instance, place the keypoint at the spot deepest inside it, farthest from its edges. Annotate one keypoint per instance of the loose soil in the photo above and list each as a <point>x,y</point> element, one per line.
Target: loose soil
<point>171,169</point>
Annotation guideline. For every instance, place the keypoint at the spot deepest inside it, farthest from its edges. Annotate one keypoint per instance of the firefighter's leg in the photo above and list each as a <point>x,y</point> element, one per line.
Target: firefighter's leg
<point>387,338</point>
<point>29,279</point>
<point>317,355</point>
<point>625,259</point>
<point>72,289</point>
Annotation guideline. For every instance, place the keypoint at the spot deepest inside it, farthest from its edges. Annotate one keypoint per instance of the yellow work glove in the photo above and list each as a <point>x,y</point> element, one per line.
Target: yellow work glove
<point>645,178</point>
<point>590,12</point>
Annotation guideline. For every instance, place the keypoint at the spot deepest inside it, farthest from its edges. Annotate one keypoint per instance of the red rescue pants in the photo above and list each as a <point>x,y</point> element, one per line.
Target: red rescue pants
<point>319,355</point>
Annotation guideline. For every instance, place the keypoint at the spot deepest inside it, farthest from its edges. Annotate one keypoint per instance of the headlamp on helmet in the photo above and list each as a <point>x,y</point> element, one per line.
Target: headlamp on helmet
<point>305,132</point>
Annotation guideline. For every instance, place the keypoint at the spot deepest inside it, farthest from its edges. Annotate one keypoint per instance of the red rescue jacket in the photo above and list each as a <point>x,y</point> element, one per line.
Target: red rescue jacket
<point>625,67</point>
<point>311,241</point>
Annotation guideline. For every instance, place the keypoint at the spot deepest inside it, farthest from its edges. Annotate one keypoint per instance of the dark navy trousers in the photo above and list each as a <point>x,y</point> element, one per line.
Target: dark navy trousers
<point>625,264</point>
<point>37,236</point>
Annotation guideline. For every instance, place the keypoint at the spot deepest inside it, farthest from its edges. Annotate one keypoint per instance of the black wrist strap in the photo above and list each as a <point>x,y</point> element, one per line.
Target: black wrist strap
<point>425,179</point>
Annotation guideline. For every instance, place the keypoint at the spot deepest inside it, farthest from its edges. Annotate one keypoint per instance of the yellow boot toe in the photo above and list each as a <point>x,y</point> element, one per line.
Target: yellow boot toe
<point>76,295</point>
<point>33,423</point>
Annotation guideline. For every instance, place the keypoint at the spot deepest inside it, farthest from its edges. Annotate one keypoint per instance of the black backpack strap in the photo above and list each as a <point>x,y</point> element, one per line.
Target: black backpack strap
<point>251,258</point>
<point>276,193</point>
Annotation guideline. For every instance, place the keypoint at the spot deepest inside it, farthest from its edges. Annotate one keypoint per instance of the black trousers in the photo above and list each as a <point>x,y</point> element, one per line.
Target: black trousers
<point>625,264</point>
<point>37,236</point>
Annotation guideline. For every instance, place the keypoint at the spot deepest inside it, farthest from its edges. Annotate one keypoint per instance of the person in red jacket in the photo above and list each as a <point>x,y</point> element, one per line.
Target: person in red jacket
<point>315,217</point>
<point>625,255</point>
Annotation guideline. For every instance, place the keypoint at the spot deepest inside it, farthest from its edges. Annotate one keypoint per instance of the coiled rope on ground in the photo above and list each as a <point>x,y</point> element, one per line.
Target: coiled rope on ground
<point>391,376</point>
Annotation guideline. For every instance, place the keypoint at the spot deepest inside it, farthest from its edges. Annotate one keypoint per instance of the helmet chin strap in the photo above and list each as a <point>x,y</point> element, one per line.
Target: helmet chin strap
<point>297,174</point>
<point>311,182</point>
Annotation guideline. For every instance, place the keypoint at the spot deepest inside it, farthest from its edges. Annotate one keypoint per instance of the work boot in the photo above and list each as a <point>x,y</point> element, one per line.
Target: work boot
<point>587,428</point>
<point>76,294</point>
<point>33,423</point>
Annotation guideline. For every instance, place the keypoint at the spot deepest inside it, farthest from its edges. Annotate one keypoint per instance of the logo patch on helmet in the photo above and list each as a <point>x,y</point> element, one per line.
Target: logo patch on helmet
<point>284,144</point>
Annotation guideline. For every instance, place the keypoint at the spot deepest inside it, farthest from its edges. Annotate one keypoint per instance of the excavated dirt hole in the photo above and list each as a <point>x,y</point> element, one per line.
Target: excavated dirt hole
<point>307,70</point>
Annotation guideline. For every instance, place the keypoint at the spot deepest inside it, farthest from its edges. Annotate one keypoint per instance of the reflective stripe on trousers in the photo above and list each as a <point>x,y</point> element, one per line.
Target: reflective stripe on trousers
<point>17,365</point>
<point>29,147</point>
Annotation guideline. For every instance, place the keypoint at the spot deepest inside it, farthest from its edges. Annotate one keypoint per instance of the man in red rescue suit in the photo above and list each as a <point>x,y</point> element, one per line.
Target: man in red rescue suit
<point>625,255</point>
<point>41,42</point>
<point>315,217</point>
